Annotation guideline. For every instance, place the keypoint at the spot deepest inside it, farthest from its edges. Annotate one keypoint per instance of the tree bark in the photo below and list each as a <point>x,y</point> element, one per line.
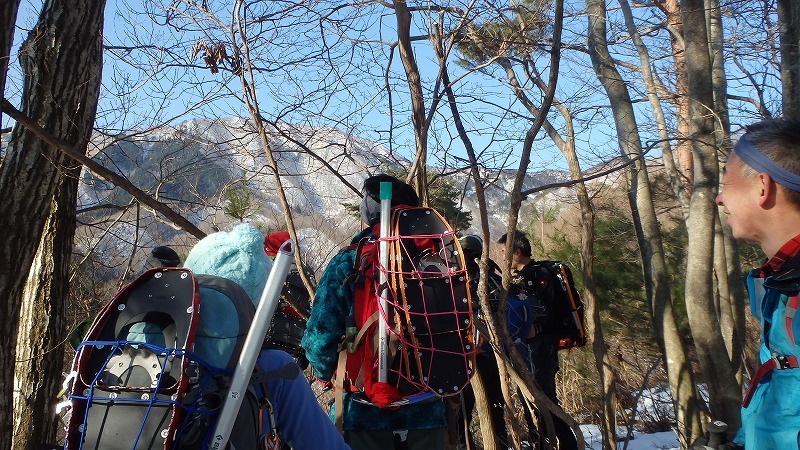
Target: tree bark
<point>417,175</point>
<point>250,99</point>
<point>683,148</point>
<point>789,18</point>
<point>566,146</point>
<point>605,367</point>
<point>482,407</point>
<point>738,298</point>
<point>677,180</point>
<point>61,59</point>
<point>681,380</point>
<point>727,269</point>
<point>719,81</point>
<point>704,317</point>
<point>43,321</point>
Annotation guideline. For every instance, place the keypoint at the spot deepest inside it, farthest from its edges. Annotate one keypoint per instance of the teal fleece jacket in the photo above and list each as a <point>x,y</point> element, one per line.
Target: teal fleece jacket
<point>772,419</point>
<point>333,302</point>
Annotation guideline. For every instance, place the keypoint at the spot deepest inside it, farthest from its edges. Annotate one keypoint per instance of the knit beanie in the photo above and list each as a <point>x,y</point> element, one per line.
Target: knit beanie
<point>471,245</point>
<point>162,256</point>
<point>237,255</point>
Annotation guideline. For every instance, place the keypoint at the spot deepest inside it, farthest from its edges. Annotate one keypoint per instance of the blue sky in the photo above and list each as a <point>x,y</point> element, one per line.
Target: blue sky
<point>351,95</point>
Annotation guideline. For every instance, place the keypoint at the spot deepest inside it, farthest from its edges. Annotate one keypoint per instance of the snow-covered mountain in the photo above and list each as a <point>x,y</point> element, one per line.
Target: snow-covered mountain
<point>191,167</point>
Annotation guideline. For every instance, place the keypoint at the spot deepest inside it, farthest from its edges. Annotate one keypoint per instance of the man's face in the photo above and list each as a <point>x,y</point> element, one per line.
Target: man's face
<point>515,256</point>
<point>739,197</point>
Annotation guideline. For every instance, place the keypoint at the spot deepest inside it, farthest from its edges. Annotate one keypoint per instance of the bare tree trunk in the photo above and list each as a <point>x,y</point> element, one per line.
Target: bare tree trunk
<point>729,307</point>
<point>62,60</point>
<point>737,297</point>
<point>681,381</point>
<point>482,406</point>
<point>668,157</point>
<point>730,289</point>
<point>717,368</point>
<point>417,175</point>
<point>789,18</point>
<point>527,385</point>
<point>40,345</point>
<point>567,147</point>
<point>604,365</point>
<point>682,148</point>
<point>521,379</point>
<point>250,99</point>
<point>719,82</point>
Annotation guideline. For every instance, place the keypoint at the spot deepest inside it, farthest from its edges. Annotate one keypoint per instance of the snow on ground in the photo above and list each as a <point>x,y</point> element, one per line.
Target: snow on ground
<point>666,440</point>
<point>652,404</point>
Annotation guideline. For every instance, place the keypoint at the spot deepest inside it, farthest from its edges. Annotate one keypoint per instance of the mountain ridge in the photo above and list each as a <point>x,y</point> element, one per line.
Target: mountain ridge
<point>192,165</point>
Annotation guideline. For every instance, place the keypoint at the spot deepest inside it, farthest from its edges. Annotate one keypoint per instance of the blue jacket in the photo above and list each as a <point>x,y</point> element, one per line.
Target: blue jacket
<point>333,303</point>
<point>772,418</point>
<point>296,407</point>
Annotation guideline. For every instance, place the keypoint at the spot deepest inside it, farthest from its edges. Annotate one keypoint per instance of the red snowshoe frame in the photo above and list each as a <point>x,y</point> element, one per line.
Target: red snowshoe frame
<point>115,377</point>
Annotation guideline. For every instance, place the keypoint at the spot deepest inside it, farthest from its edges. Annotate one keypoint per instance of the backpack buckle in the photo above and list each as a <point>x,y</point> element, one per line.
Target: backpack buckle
<point>785,362</point>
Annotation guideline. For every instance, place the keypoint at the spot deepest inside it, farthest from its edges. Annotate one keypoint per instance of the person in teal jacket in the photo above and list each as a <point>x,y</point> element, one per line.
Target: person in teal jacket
<point>761,196</point>
<point>412,427</point>
<point>239,256</point>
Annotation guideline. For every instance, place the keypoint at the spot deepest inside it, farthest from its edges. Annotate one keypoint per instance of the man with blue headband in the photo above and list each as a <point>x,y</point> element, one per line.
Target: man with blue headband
<point>761,196</point>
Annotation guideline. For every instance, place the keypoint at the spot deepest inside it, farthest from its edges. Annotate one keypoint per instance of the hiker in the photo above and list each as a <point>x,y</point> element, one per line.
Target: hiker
<point>485,360</point>
<point>415,426</point>
<point>533,283</point>
<point>760,195</point>
<point>289,320</point>
<point>294,293</point>
<point>238,255</point>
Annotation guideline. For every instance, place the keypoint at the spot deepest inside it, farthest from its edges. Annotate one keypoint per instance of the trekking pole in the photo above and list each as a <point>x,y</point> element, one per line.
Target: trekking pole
<point>252,346</point>
<point>383,342</point>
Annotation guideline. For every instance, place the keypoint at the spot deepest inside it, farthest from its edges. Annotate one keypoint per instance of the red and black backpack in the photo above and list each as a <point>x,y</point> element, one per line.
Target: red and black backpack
<point>428,315</point>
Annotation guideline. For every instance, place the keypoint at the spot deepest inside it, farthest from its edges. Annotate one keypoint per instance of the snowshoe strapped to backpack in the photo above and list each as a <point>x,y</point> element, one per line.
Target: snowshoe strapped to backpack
<point>567,319</point>
<point>428,314</point>
<point>154,369</point>
<point>289,320</point>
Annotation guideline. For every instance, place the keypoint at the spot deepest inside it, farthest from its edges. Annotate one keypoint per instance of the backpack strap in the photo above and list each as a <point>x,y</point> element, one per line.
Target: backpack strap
<point>357,270</point>
<point>352,341</point>
<point>346,347</point>
<point>774,363</point>
<point>338,391</point>
<point>563,278</point>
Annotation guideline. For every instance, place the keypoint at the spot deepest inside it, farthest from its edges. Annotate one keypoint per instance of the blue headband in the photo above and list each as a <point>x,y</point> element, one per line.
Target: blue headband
<point>761,163</point>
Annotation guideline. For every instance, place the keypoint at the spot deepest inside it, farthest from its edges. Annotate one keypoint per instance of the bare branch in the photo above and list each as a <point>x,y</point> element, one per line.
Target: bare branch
<point>101,171</point>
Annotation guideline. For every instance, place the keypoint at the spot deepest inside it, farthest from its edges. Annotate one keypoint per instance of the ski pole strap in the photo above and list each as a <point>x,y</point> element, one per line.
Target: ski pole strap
<point>774,363</point>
